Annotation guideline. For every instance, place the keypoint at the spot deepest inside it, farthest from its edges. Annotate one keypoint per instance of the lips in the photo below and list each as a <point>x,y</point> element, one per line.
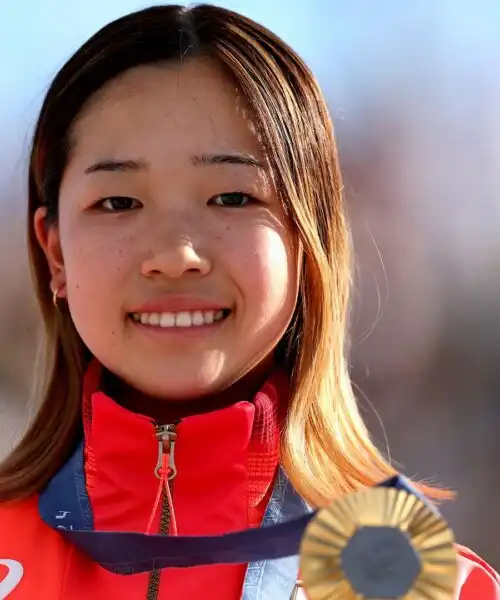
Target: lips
<point>177,304</point>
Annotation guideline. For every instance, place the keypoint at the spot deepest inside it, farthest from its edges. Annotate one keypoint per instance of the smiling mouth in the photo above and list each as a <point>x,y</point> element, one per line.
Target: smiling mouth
<point>182,319</point>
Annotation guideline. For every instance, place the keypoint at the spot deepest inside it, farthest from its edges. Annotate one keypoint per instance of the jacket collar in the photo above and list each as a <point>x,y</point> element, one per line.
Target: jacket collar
<point>67,505</point>
<point>235,447</point>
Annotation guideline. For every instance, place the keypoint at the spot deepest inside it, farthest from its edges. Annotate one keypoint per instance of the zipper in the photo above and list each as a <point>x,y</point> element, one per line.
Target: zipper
<point>166,435</point>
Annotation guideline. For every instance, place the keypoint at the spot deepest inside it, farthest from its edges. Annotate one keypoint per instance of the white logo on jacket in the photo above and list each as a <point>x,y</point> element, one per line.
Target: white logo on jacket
<point>13,577</point>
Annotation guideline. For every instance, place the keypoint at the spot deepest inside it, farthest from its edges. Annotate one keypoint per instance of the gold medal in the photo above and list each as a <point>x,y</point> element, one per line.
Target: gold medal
<point>378,544</point>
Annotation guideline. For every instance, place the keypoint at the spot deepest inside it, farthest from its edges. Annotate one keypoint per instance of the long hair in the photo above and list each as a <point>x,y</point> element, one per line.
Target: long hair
<point>325,448</point>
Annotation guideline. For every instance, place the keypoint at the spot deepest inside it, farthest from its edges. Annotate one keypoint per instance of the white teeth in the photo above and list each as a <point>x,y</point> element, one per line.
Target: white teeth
<point>154,319</point>
<point>181,319</point>
<point>197,318</point>
<point>167,320</point>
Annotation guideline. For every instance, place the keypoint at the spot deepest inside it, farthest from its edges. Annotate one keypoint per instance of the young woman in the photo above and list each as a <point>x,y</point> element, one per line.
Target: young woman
<point>191,259</point>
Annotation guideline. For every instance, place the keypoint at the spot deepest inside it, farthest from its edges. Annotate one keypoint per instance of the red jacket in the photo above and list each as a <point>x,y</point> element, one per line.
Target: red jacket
<point>225,464</point>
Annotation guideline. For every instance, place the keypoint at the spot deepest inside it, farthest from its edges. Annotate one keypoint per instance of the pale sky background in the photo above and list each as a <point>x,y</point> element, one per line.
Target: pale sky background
<point>351,45</point>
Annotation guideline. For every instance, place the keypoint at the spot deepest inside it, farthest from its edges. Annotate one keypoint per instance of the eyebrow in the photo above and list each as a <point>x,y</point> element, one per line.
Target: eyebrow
<point>117,166</point>
<point>126,166</point>
<point>227,159</point>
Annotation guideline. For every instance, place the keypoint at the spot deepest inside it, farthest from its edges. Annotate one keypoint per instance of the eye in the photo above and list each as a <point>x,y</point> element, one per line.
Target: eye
<point>118,204</point>
<point>232,200</point>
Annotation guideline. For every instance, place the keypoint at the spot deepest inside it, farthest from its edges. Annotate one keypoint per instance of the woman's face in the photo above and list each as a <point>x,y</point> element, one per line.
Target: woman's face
<point>171,246</point>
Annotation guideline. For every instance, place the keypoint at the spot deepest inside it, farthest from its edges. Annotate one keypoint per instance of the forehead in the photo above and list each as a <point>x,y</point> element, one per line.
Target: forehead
<point>170,109</point>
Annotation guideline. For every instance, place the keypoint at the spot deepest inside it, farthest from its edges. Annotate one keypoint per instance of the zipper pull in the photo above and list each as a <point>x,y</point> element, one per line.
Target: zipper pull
<point>165,471</point>
<point>166,436</point>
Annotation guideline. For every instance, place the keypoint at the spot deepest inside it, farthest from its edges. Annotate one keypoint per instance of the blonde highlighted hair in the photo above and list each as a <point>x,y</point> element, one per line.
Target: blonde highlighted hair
<point>326,449</point>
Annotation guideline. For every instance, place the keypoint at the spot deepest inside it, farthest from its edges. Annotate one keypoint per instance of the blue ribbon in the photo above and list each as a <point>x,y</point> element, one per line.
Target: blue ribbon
<point>128,553</point>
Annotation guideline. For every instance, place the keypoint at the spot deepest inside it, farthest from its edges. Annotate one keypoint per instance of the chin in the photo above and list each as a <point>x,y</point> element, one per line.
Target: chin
<point>170,388</point>
<point>172,378</point>
<point>180,393</point>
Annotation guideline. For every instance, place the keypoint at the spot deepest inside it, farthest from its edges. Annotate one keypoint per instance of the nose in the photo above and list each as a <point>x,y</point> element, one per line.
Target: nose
<point>175,261</point>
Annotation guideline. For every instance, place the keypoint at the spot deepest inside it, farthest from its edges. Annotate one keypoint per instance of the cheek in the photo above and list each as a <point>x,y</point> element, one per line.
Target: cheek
<point>94,263</point>
<point>265,270</point>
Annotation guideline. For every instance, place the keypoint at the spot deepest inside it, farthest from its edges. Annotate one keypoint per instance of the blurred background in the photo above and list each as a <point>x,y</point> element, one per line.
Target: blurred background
<point>414,90</point>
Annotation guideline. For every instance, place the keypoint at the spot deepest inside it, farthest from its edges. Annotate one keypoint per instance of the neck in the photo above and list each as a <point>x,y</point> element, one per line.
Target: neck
<point>168,411</point>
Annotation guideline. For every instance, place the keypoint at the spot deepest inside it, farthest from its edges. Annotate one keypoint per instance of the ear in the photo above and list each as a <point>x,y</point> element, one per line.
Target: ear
<point>48,237</point>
